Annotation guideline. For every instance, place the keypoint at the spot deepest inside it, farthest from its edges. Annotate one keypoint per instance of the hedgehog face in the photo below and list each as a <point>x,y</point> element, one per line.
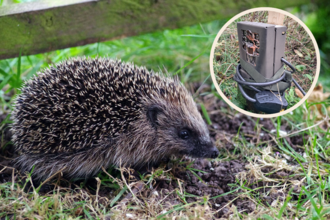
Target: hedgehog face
<point>182,131</point>
<point>194,144</point>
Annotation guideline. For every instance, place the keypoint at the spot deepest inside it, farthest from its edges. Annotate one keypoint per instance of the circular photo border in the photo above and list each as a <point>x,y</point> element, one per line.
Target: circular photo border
<point>317,53</point>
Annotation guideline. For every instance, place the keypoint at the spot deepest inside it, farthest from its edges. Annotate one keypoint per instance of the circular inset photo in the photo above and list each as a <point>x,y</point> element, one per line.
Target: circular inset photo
<point>264,62</point>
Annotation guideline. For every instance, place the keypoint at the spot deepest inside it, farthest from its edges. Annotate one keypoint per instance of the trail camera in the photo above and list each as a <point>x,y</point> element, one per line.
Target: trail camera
<point>261,46</point>
<point>260,75</point>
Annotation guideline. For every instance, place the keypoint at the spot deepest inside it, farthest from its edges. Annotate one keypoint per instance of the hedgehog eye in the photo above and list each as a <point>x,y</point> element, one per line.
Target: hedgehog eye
<point>184,134</point>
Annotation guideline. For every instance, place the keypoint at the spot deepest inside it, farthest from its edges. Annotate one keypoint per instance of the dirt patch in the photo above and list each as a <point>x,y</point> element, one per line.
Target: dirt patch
<point>188,182</point>
<point>214,182</point>
<point>228,124</point>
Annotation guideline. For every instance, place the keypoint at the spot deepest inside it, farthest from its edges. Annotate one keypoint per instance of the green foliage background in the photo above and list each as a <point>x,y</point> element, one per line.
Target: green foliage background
<point>317,18</point>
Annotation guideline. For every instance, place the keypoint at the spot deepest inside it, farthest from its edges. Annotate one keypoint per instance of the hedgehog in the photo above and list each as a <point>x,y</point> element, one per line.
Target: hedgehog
<point>84,114</point>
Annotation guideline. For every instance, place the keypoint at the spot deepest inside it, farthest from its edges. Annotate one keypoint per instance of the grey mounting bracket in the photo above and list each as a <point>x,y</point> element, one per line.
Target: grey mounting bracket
<point>260,76</point>
<point>261,47</point>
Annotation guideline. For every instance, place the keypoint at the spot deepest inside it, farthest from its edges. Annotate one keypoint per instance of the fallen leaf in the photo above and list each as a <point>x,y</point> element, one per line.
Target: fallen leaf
<point>298,93</point>
<point>318,95</point>
<point>298,53</point>
<point>79,211</point>
<point>309,77</point>
<point>219,44</point>
<point>300,67</point>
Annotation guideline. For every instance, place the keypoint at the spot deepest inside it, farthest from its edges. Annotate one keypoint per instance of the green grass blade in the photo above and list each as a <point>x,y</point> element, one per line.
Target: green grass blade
<point>198,177</point>
<point>3,72</point>
<point>211,36</point>
<point>278,126</point>
<point>197,170</point>
<point>265,216</point>
<point>325,212</point>
<point>178,208</point>
<point>206,115</point>
<point>87,214</point>
<point>224,194</point>
<point>118,196</point>
<point>288,198</point>
<point>18,75</point>
<point>310,198</point>
<point>190,62</point>
<point>4,81</point>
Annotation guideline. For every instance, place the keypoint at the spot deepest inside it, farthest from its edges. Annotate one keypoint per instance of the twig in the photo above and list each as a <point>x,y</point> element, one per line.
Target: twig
<point>59,171</point>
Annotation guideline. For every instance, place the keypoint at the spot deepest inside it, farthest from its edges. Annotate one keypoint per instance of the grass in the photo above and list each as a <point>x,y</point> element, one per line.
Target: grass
<point>299,50</point>
<point>302,194</point>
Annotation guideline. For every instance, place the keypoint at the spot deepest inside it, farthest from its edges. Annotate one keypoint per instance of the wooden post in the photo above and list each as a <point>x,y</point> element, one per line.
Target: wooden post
<point>275,18</point>
<point>46,25</point>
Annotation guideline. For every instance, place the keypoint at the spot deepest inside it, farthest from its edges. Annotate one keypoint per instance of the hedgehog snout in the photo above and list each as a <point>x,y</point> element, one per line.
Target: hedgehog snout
<point>210,151</point>
<point>214,153</point>
<point>204,150</point>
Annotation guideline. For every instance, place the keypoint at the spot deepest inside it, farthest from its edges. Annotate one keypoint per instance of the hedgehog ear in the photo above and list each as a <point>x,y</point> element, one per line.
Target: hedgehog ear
<point>152,113</point>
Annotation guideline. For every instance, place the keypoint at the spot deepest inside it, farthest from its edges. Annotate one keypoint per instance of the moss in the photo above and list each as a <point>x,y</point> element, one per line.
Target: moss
<point>66,25</point>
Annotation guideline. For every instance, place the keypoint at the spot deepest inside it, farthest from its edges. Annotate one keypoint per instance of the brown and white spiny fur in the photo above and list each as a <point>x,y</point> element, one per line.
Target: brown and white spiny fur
<point>85,114</point>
